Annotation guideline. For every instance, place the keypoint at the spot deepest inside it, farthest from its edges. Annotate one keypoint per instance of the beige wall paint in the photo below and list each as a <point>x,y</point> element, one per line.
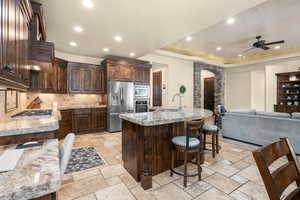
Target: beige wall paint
<point>179,72</point>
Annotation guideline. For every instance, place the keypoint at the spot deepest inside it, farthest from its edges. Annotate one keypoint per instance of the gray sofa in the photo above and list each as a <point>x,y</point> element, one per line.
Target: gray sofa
<point>262,127</point>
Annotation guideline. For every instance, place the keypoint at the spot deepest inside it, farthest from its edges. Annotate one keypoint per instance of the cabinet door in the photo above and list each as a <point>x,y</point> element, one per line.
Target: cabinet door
<point>76,80</point>
<point>86,73</point>
<point>126,72</point>
<point>4,32</point>
<point>65,124</point>
<point>113,72</point>
<point>99,80</point>
<point>98,119</point>
<point>61,67</point>
<point>146,75</point>
<point>11,43</point>
<point>81,123</point>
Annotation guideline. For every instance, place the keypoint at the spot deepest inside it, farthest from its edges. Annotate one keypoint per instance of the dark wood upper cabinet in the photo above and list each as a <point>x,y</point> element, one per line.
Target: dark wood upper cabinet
<point>40,49</point>
<point>15,16</point>
<point>61,71</point>
<point>127,69</point>
<point>86,78</point>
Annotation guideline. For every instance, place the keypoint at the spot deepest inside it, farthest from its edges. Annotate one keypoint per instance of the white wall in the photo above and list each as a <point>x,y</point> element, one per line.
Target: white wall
<point>271,80</point>
<point>179,72</point>
<point>255,86</point>
<point>78,58</point>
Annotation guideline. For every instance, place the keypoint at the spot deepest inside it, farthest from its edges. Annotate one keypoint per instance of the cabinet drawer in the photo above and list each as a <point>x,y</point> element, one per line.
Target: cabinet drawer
<point>82,111</point>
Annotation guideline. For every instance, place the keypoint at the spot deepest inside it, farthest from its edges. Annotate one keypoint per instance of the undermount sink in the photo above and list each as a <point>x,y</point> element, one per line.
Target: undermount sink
<point>169,110</point>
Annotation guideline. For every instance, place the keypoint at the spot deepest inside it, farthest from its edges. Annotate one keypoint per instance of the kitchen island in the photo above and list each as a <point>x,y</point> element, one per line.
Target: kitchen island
<point>146,140</point>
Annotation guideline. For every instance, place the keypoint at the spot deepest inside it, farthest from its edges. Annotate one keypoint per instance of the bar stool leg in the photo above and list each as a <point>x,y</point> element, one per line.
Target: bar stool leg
<point>217,141</point>
<point>204,141</point>
<point>213,144</point>
<point>185,168</point>
<point>199,163</point>
<point>172,162</point>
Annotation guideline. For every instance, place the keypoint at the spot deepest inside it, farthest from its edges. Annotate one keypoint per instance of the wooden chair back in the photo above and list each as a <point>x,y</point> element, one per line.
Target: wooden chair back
<point>277,181</point>
<point>193,129</point>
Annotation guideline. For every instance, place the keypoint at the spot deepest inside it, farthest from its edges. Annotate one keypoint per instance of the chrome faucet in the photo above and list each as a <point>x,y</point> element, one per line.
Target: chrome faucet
<point>173,99</point>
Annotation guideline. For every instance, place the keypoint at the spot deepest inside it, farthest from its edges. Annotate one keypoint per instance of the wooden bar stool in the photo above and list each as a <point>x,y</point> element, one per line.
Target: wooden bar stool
<point>191,143</point>
<point>213,130</point>
<point>277,181</point>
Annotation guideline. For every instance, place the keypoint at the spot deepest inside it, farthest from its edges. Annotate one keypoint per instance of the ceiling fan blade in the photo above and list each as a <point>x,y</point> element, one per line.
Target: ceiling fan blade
<point>277,42</point>
<point>249,49</point>
<point>266,48</point>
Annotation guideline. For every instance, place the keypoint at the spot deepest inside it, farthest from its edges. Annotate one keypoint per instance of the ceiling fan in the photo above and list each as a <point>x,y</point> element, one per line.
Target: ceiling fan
<point>261,44</point>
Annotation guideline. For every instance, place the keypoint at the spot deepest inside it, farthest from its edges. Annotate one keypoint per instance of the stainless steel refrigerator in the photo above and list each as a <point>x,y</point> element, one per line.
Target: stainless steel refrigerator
<point>120,100</point>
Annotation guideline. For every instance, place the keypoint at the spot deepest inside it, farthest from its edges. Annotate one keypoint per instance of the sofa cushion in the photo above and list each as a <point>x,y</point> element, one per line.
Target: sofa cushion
<point>273,114</point>
<point>243,111</point>
<point>296,115</point>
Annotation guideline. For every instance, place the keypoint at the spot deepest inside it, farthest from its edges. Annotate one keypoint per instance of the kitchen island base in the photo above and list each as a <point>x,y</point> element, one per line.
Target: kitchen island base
<point>146,150</point>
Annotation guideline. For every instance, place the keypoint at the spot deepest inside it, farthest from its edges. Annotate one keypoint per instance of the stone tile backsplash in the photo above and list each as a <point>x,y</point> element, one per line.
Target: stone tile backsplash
<point>66,99</point>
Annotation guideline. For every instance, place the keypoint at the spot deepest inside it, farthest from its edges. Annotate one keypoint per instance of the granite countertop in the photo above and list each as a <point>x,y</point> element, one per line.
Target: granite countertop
<point>166,116</point>
<point>80,106</point>
<point>26,125</point>
<point>37,173</point>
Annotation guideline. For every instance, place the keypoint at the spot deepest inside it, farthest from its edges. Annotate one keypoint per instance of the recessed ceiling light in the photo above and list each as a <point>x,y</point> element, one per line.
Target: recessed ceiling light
<point>277,47</point>
<point>118,38</point>
<point>88,3</point>
<point>240,55</point>
<point>78,29</point>
<point>219,48</point>
<point>73,44</point>
<point>188,38</point>
<point>105,49</point>
<point>132,54</point>
<point>230,20</point>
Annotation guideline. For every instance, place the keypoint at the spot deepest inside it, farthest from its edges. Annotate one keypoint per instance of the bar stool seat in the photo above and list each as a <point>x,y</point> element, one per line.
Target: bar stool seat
<point>210,127</point>
<point>191,143</point>
<point>181,141</point>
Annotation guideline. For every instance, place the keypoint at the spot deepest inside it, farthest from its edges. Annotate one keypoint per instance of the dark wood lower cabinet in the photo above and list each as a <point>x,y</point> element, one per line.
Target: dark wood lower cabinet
<point>65,124</point>
<point>81,121</point>
<point>286,108</point>
<point>20,139</point>
<point>146,150</point>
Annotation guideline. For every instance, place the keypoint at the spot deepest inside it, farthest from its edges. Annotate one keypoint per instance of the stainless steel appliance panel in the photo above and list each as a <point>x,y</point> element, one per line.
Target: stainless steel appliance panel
<point>120,100</point>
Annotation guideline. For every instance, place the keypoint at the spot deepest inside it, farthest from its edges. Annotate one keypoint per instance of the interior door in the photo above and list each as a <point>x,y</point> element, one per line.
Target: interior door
<point>157,88</point>
<point>209,93</point>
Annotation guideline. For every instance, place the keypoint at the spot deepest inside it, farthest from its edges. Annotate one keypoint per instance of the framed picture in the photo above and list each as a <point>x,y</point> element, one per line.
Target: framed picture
<point>11,100</point>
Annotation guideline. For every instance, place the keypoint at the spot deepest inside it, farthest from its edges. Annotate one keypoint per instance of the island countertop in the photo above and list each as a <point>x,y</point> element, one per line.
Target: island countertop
<point>27,125</point>
<point>166,116</point>
<point>37,173</point>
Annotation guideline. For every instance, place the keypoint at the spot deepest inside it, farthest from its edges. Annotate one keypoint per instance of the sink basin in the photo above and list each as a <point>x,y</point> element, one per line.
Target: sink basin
<point>169,110</point>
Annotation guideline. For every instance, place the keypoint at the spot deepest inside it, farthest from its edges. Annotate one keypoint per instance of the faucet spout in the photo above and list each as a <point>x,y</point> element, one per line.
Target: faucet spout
<point>173,99</point>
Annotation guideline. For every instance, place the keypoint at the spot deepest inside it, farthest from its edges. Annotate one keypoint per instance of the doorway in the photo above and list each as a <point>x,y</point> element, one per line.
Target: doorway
<point>157,88</point>
<point>209,93</point>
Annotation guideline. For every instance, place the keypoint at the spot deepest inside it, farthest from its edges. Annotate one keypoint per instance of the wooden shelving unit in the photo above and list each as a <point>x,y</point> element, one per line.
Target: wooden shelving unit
<point>288,92</point>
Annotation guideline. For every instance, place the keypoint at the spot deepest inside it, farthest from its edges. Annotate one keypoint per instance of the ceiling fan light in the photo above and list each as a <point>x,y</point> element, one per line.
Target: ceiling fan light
<point>277,47</point>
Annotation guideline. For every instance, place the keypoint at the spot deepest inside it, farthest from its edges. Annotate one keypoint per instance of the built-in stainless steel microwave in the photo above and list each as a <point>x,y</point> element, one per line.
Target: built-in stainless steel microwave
<point>141,91</point>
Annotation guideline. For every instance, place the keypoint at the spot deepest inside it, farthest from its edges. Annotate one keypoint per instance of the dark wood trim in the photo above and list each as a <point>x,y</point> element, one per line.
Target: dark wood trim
<point>19,139</point>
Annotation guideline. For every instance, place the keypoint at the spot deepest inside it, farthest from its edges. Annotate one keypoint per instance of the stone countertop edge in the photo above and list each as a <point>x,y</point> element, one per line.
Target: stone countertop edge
<point>80,107</point>
<point>146,119</point>
<point>29,125</point>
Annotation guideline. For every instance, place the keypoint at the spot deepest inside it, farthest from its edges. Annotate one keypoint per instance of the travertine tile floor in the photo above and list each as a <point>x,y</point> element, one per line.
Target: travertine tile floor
<point>231,175</point>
